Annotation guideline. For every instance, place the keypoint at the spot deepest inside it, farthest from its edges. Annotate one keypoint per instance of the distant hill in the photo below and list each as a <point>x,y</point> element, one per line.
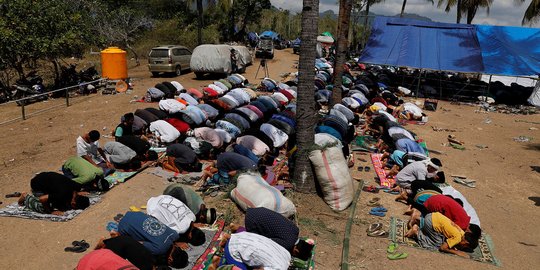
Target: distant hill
<point>414,16</point>
<point>329,13</point>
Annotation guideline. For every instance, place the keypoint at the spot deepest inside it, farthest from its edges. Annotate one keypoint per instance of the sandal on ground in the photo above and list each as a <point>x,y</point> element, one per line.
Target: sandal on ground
<point>75,249</point>
<point>360,168</point>
<point>118,217</point>
<point>373,204</point>
<point>379,209</point>
<point>376,213</point>
<point>374,227</point>
<point>14,194</point>
<point>377,233</point>
<point>81,243</point>
<point>112,226</point>
<point>393,192</point>
<point>367,169</point>
<point>465,182</point>
<point>392,248</point>
<point>371,189</point>
<point>397,256</point>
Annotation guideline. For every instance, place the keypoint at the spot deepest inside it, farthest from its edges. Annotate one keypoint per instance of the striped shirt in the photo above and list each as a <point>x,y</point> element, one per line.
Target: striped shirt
<point>258,251</point>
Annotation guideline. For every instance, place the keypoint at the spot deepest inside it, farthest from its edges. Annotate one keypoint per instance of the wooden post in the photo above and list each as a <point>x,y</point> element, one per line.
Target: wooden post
<point>348,226</point>
<point>489,85</point>
<point>67,97</point>
<point>418,85</point>
<point>23,112</point>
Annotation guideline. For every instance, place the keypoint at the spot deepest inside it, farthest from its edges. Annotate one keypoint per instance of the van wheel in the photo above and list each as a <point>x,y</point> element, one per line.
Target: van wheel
<point>178,71</point>
<point>199,75</point>
<point>155,74</point>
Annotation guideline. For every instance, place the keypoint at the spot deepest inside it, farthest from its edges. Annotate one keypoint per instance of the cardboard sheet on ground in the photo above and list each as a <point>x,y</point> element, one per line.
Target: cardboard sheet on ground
<point>405,122</point>
<point>483,253</point>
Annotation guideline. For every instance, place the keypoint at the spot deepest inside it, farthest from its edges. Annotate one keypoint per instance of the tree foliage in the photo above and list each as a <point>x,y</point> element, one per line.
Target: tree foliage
<point>532,13</point>
<point>45,29</point>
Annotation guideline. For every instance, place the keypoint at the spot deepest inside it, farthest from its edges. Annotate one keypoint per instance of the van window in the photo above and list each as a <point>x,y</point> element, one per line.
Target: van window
<point>185,52</point>
<point>159,53</point>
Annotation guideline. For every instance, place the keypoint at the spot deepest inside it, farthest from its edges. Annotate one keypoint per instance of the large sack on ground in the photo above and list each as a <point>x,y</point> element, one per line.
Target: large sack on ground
<point>252,191</point>
<point>333,176</point>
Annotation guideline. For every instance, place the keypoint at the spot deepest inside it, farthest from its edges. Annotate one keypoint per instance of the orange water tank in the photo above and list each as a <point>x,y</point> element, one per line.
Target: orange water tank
<point>114,63</point>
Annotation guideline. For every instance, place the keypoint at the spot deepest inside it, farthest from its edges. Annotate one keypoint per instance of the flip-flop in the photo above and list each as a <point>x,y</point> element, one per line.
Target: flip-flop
<point>81,243</point>
<point>379,209</point>
<point>360,168</point>
<point>392,248</point>
<point>373,204</point>
<point>397,256</point>
<point>393,192</point>
<point>375,213</point>
<point>118,217</point>
<point>134,209</point>
<point>465,182</point>
<point>371,189</point>
<point>75,249</point>
<point>374,227</point>
<point>367,169</point>
<point>14,194</point>
<point>377,233</point>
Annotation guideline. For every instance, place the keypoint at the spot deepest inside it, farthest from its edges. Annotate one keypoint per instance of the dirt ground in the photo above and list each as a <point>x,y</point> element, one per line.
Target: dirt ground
<point>503,171</point>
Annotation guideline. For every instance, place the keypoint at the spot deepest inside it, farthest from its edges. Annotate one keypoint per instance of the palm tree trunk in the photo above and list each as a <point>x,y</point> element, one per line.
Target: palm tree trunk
<point>367,13</point>
<point>200,17</point>
<point>458,16</point>
<point>344,19</point>
<point>305,112</point>
<point>471,12</point>
<point>403,8</point>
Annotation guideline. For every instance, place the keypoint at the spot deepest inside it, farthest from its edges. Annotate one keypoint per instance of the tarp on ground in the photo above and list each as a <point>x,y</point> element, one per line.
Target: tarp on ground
<point>269,34</point>
<point>498,50</point>
<point>421,44</point>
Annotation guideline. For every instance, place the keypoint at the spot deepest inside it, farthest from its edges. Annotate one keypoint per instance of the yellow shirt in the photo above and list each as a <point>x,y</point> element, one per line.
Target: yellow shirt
<point>449,229</point>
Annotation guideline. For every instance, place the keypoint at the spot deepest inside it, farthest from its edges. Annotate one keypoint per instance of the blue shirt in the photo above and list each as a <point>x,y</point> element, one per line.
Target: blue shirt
<point>154,235</point>
<point>409,146</point>
<point>329,130</point>
<point>244,151</point>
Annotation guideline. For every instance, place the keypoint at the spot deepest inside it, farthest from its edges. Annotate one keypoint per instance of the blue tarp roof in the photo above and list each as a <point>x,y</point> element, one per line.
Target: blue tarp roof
<point>454,47</point>
<point>270,34</point>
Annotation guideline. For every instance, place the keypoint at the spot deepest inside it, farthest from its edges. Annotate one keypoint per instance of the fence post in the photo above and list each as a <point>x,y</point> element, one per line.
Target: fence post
<point>23,112</point>
<point>67,97</point>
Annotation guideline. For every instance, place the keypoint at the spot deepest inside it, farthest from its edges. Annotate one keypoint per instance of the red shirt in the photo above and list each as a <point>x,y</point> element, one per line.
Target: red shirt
<point>449,208</point>
<point>180,125</point>
<point>103,259</point>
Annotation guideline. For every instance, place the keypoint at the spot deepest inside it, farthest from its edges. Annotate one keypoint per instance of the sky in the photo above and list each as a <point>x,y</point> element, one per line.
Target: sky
<point>502,12</point>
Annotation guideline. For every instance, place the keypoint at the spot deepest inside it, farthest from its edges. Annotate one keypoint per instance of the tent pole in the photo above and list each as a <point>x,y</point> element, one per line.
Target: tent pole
<point>418,85</point>
<point>489,85</point>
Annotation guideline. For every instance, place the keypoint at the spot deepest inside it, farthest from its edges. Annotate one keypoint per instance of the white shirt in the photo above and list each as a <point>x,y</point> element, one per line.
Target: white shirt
<point>90,149</point>
<point>188,98</point>
<point>412,108</point>
<point>171,212</point>
<point>178,86</point>
<point>209,135</point>
<point>278,137</point>
<point>380,105</point>
<point>171,105</point>
<point>449,190</point>
<point>389,116</point>
<point>414,171</point>
<point>225,136</point>
<point>399,130</point>
<point>350,102</point>
<point>361,97</point>
<point>258,251</point>
<point>254,144</point>
<point>164,131</point>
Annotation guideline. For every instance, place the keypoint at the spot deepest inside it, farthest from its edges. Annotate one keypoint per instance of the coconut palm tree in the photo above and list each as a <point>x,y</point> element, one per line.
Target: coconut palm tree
<point>305,111</point>
<point>405,3</point>
<point>344,18</point>
<point>369,3</point>
<point>532,14</point>
<point>465,7</point>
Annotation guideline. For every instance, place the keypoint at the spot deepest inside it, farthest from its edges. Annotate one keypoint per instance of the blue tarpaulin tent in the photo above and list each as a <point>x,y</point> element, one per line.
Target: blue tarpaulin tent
<point>512,51</point>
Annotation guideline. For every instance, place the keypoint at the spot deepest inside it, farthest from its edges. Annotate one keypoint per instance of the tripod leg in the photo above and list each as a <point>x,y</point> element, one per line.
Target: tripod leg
<point>257,73</point>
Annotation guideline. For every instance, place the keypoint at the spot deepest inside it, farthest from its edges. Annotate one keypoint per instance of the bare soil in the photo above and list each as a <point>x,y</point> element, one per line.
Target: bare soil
<point>503,171</point>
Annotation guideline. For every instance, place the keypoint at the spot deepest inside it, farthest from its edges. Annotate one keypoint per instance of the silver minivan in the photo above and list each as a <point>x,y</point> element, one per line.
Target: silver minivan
<point>169,59</point>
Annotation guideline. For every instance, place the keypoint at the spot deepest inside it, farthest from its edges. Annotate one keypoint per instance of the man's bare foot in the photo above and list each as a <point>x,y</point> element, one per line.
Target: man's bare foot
<point>413,232</point>
<point>100,243</point>
<point>234,227</point>
<point>21,198</point>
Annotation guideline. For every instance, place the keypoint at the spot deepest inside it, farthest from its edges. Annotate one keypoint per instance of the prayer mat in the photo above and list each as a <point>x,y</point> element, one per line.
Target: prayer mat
<point>188,179</point>
<point>297,264</point>
<point>405,122</point>
<point>366,142</point>
<point>483,253</point>
<point>423,144</point>
<point>200,257</point>
<point>379,170</point>
<point>14,210</point>
<point>119,177</point>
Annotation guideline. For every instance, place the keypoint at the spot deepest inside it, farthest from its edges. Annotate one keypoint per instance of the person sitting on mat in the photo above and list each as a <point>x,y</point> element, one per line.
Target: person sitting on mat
<point>435,231</point>
<point>273,225</point>
<point>84,174</point>
<point>53,193</point>
<point>155,236</point>
<point>247,250</point>
<point>177,216</point>
<point>192,200</point>
<point>125,128</point>
<point>181,159</point>
<point>88,148</point>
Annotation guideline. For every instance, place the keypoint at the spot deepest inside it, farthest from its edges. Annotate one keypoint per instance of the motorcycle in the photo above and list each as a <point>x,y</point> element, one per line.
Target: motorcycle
<point>88,75</point>
<point>29,86</point>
